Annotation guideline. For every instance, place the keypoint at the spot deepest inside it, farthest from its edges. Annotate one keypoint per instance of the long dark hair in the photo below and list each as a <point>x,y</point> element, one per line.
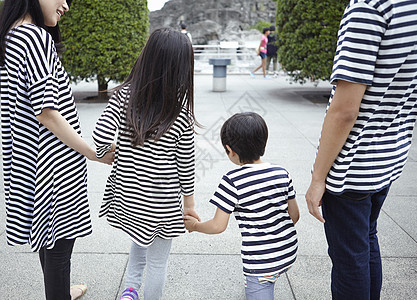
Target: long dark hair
<point>14,10</point>
<point>161,85</point>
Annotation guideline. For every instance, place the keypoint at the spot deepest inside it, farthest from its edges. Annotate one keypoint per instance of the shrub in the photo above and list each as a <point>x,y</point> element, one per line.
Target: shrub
<point>103,38</point>
<point>261,25</point>
<point>307,36</point>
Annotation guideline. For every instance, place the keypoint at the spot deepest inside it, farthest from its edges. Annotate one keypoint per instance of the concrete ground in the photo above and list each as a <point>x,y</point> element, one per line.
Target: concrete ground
<point>209,267</point>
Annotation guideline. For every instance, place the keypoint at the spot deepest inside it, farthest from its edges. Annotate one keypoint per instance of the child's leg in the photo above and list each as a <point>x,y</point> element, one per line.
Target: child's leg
<point>135,266</point>
<point>258,290</point>
<point>157,263</point>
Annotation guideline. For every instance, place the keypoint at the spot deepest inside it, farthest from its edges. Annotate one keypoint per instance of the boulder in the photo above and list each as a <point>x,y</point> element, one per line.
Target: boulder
<point>211,21</point>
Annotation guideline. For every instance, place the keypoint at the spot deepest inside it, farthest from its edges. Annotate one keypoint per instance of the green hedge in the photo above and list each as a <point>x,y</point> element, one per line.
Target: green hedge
<point>261,25</point>
<point>103,38</point>
<point>307,36</point>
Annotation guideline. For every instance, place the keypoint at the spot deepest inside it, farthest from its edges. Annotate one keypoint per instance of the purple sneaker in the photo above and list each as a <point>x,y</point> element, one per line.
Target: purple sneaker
<point>129,294</point>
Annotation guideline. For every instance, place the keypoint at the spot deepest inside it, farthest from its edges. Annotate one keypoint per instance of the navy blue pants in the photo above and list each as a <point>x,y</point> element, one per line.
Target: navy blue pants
<point>56,267</point>
<point>351,227</point>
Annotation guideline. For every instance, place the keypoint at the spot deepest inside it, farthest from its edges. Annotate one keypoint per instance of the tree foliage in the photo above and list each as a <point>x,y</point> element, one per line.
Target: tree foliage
<point>307,36</point>
<point>261,25</point>
<point>103,38</point>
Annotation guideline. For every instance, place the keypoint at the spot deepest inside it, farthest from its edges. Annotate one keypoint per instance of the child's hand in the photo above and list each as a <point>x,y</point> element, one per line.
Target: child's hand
<point>190,222</point>
<point>191,212</point>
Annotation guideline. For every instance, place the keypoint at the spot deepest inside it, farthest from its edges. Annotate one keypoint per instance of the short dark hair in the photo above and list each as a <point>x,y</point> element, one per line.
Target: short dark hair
<point>265,29</point>
<point>183,26</point>
<point>246,134</point>
<point>272,28</point>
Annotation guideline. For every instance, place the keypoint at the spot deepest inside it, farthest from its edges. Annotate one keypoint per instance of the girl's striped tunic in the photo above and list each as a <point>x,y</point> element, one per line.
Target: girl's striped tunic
<point>258,195</point>
<point>143,192</point>
<point>45,181</point>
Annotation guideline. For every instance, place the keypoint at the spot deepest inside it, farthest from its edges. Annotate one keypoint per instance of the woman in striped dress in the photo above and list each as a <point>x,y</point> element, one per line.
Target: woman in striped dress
<point>153,113</point>
<point>44,165</point>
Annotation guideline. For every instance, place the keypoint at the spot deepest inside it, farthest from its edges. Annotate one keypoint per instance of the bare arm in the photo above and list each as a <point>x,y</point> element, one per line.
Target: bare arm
<point>259,48</point>
<point>293,210</point>
<point>338,123</point>
<point>60,127</point>
<point>189,207</point>
<point>214,226</point>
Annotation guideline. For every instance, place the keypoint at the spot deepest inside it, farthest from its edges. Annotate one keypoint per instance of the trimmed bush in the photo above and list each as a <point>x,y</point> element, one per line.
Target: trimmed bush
<point>103,38</point>
<point>261,25</point>
<point>307,37</point>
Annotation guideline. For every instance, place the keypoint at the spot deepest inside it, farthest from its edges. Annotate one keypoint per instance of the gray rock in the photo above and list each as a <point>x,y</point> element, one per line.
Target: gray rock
<point>215,20</point>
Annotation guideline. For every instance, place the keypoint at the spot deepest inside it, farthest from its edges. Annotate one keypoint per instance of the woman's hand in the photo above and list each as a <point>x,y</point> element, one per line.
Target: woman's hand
<point>108,158</point>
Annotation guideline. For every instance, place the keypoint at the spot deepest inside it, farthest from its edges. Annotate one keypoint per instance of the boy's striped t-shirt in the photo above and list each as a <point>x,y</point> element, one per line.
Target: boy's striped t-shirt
<point>377,46</point>
<point>258,195</point>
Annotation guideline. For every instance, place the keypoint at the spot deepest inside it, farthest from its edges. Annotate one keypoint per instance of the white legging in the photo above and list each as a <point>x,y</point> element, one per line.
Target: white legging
<point>155,258</point>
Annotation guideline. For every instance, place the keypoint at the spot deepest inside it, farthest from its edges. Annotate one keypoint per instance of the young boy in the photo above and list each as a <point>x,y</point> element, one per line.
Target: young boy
<point>263,199</point>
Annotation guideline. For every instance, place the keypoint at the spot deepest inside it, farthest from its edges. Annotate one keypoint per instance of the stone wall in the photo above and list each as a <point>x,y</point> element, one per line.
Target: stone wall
<point>210,21</point>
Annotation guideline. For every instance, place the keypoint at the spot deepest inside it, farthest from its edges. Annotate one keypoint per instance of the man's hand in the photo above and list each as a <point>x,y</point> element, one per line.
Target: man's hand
<point>314,197</point>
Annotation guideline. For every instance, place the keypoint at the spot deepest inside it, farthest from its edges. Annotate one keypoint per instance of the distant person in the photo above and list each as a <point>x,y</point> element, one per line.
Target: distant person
<point>151,184</point>
<point>263,199</point>
<point>184,31</point>
<point>365,139</point>
<point>271,50</point>
<point>262,53</point>
<point>44,155</point>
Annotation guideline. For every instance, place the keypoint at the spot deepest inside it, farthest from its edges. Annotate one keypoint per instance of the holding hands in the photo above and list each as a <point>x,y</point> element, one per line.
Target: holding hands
<point>189,211</point>
<point>190,221</point>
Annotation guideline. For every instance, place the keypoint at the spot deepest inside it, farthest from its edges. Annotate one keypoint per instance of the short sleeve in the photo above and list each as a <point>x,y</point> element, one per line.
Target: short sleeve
<point>225,196</point>
<point>41,73</point>
<point>108,123</point>
<point>290,188</point>
<point>360,34</point>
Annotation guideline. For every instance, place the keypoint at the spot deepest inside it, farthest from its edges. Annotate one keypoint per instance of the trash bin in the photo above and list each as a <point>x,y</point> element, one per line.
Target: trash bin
<point>219,73</point>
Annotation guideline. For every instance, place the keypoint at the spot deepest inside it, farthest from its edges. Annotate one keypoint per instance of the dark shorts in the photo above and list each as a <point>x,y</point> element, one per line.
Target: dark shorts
<point>262,55</point>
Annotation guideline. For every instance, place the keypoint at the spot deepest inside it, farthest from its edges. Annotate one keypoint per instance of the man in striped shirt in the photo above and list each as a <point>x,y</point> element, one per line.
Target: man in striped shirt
<point>365,138</point>
<point>263,199</point>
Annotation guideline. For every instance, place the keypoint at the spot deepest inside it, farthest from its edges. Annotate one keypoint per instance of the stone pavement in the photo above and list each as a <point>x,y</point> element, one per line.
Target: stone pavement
<point>209,267</point>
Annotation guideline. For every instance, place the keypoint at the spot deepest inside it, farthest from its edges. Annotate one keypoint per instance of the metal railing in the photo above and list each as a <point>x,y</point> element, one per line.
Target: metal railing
<point>243,57</point>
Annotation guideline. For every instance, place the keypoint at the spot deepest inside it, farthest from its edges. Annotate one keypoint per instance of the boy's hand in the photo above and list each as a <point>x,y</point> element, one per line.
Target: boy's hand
<point>190,222</point>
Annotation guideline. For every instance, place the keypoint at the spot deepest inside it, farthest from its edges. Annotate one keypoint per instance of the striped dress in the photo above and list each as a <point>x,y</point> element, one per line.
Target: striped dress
<point>143,195</point>
<point>258,195</point>
<point>45,181</point>
<point>377,46</point>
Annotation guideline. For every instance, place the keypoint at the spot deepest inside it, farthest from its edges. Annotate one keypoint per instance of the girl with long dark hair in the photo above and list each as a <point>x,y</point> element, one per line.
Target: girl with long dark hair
<point>153,113</point>
<point>44,165</point>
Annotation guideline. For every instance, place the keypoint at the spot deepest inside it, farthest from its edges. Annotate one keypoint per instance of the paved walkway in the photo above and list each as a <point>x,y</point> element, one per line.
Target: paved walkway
<point>209,267</point>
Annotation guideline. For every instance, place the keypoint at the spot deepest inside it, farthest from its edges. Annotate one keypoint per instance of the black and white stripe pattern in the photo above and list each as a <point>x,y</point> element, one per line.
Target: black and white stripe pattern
<point>143,196</point>
<point>45,181</point>
<point>258,195</point>
<point>377,46</point>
